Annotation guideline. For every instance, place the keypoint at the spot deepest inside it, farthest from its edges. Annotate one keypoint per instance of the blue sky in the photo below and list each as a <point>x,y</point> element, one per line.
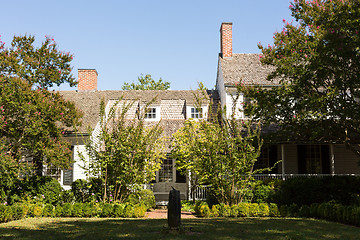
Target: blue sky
<point>175,40</point>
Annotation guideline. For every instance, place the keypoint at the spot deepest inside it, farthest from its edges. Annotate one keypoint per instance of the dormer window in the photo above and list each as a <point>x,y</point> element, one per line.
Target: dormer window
<point>196,113</point>
<point>150,113</point>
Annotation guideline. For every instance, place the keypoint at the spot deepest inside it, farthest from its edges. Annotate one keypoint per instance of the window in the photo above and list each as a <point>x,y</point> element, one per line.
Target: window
<point>313,159</point>
<point>166,171</point>
<point>196,113</point>
<point>150,113</point>
<point>52,171</point>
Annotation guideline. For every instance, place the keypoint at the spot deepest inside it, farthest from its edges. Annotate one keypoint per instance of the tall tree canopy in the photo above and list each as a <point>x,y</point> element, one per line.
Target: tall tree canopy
<point>33,120</point>
<point>147,83</point>
<point>317,64</point>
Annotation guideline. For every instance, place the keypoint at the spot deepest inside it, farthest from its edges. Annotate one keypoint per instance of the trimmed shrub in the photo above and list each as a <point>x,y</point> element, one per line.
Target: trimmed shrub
<point>283,211</point>
<point>243,209</point>
<point>48,210</point>
<point>106,210</point>
<point>19,210</point>
<point>89,209</point>
<point>274,210</point>
<point>293,210</point>
<point>66,210</point>
<point>264,210</point>
<point>204,210</point>
<point>58,211</point>
<point>139,211</point>
<point>6,213</point>
<point>304,211</point>
<point>36,210</point>
<point>118,210</point>
<point>254,210</point>
<point>214,212</point>
<point>262,192</point>
<point>77,210</point>
<point>128,211</point>
<point>234,211</point>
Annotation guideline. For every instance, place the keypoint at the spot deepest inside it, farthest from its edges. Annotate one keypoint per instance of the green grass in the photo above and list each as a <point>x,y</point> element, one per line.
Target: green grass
<point>218,228</point>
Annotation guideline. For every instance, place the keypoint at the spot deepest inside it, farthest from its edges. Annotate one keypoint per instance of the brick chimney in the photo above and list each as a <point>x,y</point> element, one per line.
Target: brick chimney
<point>226,39</point>
<point>87,79</point>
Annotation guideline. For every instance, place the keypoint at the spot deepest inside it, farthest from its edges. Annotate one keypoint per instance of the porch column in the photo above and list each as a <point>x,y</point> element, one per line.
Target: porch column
<point>282,161</point>
<point>332,159</point>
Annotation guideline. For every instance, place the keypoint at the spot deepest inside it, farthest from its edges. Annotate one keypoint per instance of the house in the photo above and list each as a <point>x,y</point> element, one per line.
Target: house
<point>297,158</point>
<point>171,107</point>
<point>174,107</point>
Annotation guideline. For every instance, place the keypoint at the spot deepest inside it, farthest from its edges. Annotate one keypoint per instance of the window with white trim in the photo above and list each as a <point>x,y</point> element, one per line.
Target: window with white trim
<point>166,171</point>
<point>196,113</point>
<point>150,113</point>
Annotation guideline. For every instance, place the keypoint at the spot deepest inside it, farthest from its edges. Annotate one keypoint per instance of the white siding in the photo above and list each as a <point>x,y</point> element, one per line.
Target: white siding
<point>346,161</point>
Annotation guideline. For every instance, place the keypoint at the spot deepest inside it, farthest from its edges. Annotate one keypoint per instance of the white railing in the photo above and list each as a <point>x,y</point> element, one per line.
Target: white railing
<point>200,192</point>
<point>288,176</point>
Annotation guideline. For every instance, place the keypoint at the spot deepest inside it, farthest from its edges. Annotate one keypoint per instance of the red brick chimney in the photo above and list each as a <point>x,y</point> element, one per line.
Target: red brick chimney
<point>226,39</point>
<point>87,79</point>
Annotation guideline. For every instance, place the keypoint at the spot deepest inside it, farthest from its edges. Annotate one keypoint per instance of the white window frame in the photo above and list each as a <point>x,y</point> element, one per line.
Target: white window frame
<point>190,112</point>
<point>157,113</point>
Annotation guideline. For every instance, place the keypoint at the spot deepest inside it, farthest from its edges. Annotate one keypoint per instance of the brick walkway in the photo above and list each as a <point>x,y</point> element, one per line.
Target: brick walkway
<point>162,213</point>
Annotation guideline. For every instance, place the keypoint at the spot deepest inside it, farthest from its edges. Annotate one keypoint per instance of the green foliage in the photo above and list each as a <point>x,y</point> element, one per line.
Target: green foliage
<point>87,190</point>
<point>204,210</point>
<point>128,211</point>
<point>89,209</point>
<point>243,209</point>
<point>6,213</point>
<point>214,212</point>
<point>187,205</point>
<point>220,153</point>
<point>147,83</point>
<point>67,196</point>
<point>139,211</point>
<point>262,192</point>
<point>106,210</point>
<point>143,197</point>
<point>118,210</point>
<point>48,210</point>
<point>130,151</point>
<point>273,210</point>
<point>305,191</point>
<point>234,211</point>
<point>19,211</point>
<point>264,210</point>
<point>58,211</point>
<point>36,210</point>
<point>66,210</point>
<point>317,63</point>
<point>77,210</point>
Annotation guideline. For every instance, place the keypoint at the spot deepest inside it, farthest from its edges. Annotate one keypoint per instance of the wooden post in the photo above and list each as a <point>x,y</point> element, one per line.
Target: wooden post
<point>332,156</point>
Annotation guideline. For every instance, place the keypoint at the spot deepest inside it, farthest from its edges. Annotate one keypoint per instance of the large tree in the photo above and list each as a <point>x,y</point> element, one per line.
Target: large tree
<point>221,153</point>
<point>127,152</point>
<point>317,66</point>
<point>34,119</point>
<point>147,83</point>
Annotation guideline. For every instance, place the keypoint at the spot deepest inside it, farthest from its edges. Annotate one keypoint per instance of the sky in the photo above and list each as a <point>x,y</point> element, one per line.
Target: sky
<point>178,41</point>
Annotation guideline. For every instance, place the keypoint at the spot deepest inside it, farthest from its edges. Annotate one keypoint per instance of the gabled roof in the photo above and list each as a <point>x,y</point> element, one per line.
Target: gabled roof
<point>89,101</point>
<point>245,67</point>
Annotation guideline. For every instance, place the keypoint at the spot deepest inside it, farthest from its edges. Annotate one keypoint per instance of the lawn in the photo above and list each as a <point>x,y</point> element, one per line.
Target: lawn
<point>219,228</point>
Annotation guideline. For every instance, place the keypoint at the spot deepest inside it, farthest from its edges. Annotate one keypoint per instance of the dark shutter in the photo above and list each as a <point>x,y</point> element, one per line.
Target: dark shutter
<point>325,159</point>
<point>301,153</point>
<point>273,158</point>
<point>68,176</point>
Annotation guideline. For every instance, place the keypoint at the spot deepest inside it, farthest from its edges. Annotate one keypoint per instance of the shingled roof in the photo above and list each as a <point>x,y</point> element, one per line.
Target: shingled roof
<point>89,101</point>
<point>245,67</point>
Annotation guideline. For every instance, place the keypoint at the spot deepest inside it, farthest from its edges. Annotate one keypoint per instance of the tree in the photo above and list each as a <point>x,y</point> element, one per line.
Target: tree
<point>34,119</point>
<point>127,152</point>
<point>317,66</point>
<point>221,152</point>
<point>147,83</point>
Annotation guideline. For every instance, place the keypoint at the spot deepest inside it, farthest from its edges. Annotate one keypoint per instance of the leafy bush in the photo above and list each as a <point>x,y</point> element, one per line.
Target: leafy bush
<point>48,210</point>
<point>187,205</point>
<point>234,211</point>
<point>6,213</point>
<point>262,192</point>
<point>264,210</point>
<point>139,211</point>
<point>77,210</point>
<point>19,210</point>
<point>87,190</point>
<point>143,197</point>
<point>128,211</point>
<point>66,210</point>
<point>304,211</point>
<point>214,212</point>
<point>204,210</point>
<point>224,210</point>
<point>67,196</point>
<point>306,191</point>
<point>243,209</point>
<point>106,210</point>
<point>89,209</point>
<point>254,210</point>
<point>36,210</point>
<point>118,210</point>
<point>58,211</point>
<point>273,210</point>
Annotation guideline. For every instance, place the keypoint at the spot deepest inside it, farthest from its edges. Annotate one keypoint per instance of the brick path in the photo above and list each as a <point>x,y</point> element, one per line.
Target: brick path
<point>162,213</point>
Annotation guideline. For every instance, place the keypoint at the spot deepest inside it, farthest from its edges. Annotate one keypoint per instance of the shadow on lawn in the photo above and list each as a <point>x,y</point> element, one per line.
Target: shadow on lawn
<point>68,228</point>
